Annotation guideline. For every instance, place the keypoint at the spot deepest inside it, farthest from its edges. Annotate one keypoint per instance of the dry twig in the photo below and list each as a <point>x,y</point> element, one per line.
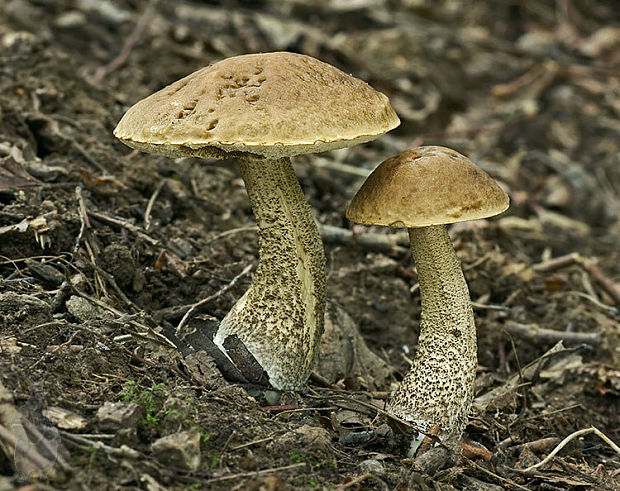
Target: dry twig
<point>256,473</point>
<point>149,206</point>
<point>566,440</point>
<point>197,306</point>
<point>84,222</point>
<point>587,265</point>
<point>363,477</point>
<point>499,394</point>
<point>123,451</point>
<point>126,225</point>
<point>131,41</point>
<point>540,335</point>
<point>368,241</point>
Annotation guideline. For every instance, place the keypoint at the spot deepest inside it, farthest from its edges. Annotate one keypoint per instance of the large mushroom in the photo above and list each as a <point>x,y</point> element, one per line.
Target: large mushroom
<point>424,189</point>
<point>263,109</point>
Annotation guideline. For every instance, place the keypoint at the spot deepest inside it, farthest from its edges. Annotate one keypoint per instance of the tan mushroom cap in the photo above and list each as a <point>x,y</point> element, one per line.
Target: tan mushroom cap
<point>271,104</point>
<point>426,186</point>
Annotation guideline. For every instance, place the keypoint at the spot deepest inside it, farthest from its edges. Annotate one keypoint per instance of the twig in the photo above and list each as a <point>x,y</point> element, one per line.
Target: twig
<point>484,306</point>
<point>529,372</point>
<point>110,279</point>
<point>89,158</point>
<point>538,334</point>
<point>149,206</point>
<point>293,410</point>
<point>536,78</point>
<point>252,443</point>
<point>45,443</point>
<point>429,440</point>
<point>556,263</point>
<point>156,337</point>
<point>369,241</point>
<point>321,381</point>
<point>197,306</point>
<point>493,474</point>
<point>30,452</point>
<point>551,413</point>
<point>99,284</point>
<point>566,440</point>
<point>598,276</point>
<point>129,44</point>
<point>52,351</point>
<point>540,445</point>
<point>607,308</point>
<point>256,473</point>
<point>126,225</point>
<point>587,265</point>
<point>124,451</point>
<point>250,228</point>
<point>84,222</point>
<point>55,129</point>
<point>401,423</point>
<point>360,478</point>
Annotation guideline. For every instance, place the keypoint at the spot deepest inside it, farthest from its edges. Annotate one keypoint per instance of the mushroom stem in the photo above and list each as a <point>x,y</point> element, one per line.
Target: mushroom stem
<point>439,387</point>
<point>280,318</point>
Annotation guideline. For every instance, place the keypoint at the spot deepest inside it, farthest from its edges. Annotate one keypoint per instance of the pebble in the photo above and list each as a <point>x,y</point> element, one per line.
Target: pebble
<point>114,416</point>
<point>372,466</point>
<point>180,450</point>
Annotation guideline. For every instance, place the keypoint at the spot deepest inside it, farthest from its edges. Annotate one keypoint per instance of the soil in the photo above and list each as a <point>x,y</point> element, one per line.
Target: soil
<point>100,246</point>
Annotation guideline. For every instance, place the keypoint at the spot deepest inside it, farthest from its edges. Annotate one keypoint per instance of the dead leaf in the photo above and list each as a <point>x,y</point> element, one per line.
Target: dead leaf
<point>13,176</point>
<point>20,227</point>
<point>65,419</point>
<point>474,450</point>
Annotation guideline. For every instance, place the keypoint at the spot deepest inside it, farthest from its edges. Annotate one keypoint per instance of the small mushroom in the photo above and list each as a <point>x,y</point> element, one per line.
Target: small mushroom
<point>263,109</point>
<point>424,189</point>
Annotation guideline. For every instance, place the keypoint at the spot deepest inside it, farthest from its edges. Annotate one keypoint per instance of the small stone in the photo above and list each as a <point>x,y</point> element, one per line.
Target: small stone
<point>272,397</point>
<point>372,466</point>
<point>183,248</point>
<point>126,437</point>
<point>313,442</point>
<point>115,416</point>
<point>180,450</point>
<point>45,272</point>
<point>65,419</point>
<point>78,281</point>
<point>82,309</point>
<point>6,484</point>
<point>8,345</point>
<point>174,412</point>
<point>118,261</point>
<point>71,19</point>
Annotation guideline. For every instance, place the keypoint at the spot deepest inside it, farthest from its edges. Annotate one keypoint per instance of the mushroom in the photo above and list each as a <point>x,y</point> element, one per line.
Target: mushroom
<point>424,189</point>
<point>263,109</point>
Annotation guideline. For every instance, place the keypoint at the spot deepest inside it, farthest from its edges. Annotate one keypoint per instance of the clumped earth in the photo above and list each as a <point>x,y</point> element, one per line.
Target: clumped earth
<point>102,250</point>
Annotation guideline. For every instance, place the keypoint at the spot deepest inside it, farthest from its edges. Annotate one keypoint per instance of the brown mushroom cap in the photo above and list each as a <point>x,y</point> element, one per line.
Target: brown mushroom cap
<point>272,104</point>
<point>426,186</point>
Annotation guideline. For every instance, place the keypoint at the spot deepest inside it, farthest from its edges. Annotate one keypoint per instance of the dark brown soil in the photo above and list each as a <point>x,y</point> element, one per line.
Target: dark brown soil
<point>89,280</point>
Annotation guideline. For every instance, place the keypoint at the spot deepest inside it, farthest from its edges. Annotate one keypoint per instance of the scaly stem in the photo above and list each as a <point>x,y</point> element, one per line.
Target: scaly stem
<point>439,387</point>
<point>280,318</point>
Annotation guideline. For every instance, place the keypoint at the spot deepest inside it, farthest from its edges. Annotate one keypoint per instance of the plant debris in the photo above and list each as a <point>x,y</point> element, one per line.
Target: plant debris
<point>104,252</point>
